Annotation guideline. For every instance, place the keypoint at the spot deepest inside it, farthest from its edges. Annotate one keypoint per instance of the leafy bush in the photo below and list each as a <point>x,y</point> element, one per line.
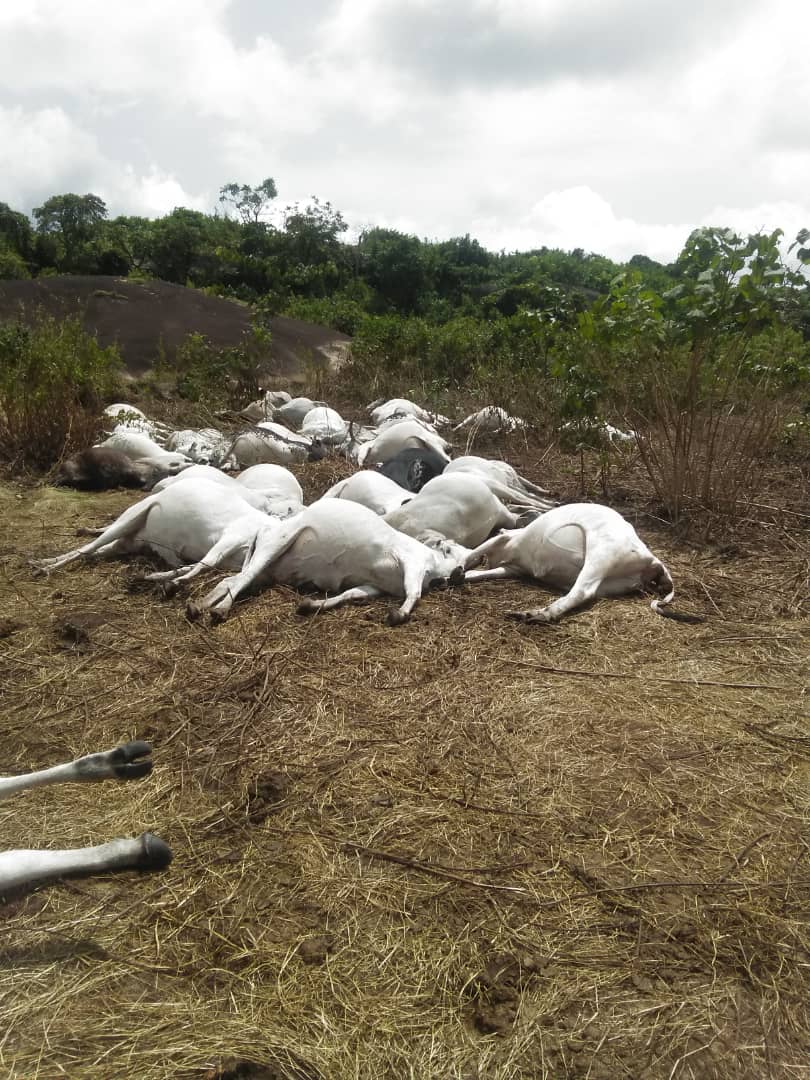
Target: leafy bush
<point>217,377</point>
<point>54,381</point>
<point>705,373</point>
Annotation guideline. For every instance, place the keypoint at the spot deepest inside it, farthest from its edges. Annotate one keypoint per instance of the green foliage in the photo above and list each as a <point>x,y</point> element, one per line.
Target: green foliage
<point>249,203</point>
<point>12,265</point>
<point>54,380</point>
<point>16,234</point>
<point>73,222</point>
<point>218,377</point>
<point>341,311</point>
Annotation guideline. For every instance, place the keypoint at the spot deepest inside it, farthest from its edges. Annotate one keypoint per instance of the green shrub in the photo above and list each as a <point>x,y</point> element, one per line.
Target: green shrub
<point>54,381</point>
<point>215,377</point>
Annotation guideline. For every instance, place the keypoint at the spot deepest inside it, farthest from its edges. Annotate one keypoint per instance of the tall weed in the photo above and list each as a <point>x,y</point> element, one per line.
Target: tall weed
<point>54,380</point>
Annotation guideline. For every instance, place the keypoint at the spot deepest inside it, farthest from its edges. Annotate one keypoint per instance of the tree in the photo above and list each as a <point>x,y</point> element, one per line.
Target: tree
<point>249,202</point>
<point>16,232</point>
<point>394,265</point>
<point>73,221</point>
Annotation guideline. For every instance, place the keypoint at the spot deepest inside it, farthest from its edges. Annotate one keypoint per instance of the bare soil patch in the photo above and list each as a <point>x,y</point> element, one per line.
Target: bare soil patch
<point>143,317</point>
<point>458,848</point>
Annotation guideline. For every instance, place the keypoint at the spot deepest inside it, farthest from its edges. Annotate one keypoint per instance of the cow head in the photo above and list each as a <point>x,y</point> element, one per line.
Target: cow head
<point>316,450</point>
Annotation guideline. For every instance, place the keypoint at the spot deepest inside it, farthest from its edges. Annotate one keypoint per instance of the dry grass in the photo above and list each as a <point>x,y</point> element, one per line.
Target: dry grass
<point>459,848</point>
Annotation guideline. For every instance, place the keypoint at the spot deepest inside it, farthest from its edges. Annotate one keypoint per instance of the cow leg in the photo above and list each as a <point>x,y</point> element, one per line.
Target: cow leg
<point>222,550</point>
<point>127,762</point>
<point>584,589</point>
<point>493,549</point>
<point>122,529</point>
<point>356,595</point>
<point>266,550</point>
<point>533,489</point>
<point>25,869</point>
<point>498,573</point>
<point>412,578</point>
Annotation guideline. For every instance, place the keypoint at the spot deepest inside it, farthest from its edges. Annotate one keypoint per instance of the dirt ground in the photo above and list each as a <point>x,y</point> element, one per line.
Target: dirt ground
<point>141,317</point>
<point>461,848</point>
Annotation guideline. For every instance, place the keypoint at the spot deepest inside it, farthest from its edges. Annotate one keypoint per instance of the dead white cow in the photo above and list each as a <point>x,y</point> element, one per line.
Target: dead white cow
<point>587,549</point>
<point>292,412</point>
<point>325,424</point>
<point>140,448</point>
<point>204,446</point>
<point>340,546</point>
<point>128,416</point>
<point>193,526</point>
<point>370,488</point>
<point>460,508</point>
<point>491,418</point>
<point>270,443</point>
<point>407,433</point>
<point>503,481</point>
<point>278,505</point>
<point>25,869</point>
<point>264,408</point>
<point>382,410</point>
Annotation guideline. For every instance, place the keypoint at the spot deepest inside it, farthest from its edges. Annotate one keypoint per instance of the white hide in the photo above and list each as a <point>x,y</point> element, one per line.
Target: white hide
<point>359,435</point>
<point>205,446</point>
<point>23,870</point>
<point>380,412</point>
<point>325,424</point>
<point>340,546</point>
<point>371,489</point>
<point>266,444</point>
<point>491,418</point>
<point>293,412</point>
<point>503,481</point>
<point>276,504</point>
<point>193,526</point>
<point>584,548</point>
<point>460,508</point>
<point>596,433</point>
<point>408,433</point>
<point>273,480</point>
<point>141,448</point>
<point>264,408</point>
<point>132,418</point>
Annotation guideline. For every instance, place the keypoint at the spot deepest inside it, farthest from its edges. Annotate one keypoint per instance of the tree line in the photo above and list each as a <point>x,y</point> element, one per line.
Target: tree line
<point>303,256</point>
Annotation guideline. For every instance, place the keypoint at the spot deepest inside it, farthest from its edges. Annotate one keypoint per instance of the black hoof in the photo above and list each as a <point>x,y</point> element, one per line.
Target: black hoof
<point>306,607</point>
<point>156,853</point>
<point>396,618</point>
<point>127,763</point>
<point>192,612</point>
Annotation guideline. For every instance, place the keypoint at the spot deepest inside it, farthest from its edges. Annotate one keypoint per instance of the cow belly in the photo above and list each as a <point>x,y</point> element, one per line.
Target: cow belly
<point>307,564</point>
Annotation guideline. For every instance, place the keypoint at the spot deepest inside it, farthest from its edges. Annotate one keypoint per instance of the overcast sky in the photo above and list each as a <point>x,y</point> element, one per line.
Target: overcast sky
<point>616,126</point>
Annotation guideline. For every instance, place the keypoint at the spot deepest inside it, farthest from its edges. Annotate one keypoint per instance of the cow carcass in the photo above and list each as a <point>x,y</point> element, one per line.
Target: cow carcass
<point>584,548</point>
<point>408,434</point>
<point>340,546</point>
<point>459,507</point>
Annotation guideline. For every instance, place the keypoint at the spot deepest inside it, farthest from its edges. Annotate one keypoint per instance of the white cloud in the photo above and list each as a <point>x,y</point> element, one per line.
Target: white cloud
<point>523,122</point>
<point>43,153</point>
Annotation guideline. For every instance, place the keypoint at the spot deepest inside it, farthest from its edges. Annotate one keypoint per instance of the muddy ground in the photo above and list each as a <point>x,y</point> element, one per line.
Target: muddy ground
<point>459,848</point>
